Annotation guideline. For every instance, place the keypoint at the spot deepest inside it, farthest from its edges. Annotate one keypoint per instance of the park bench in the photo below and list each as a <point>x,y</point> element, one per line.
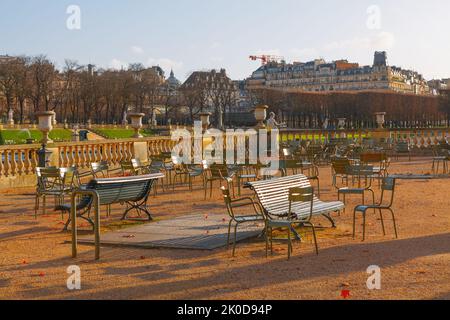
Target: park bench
<point>273,196</point>
<point>132,191</point>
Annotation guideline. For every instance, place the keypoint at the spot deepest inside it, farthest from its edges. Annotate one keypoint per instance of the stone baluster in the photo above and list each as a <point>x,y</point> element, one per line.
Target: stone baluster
<point>13,163</point>
<point>20,165</point>
<point>2,168</point>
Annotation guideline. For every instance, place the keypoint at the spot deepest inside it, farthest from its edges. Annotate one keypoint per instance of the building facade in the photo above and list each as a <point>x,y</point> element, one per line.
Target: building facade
<point>341,75</point>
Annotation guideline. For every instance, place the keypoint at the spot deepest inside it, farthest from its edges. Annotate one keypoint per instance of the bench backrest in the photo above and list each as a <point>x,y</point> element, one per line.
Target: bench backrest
<point>116,190</point>
<point>276,191</point>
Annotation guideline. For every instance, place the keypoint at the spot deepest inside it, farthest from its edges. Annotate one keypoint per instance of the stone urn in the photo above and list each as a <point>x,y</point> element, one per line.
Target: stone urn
<point>45,120</point>
<point>261,115</point>
<point>341,123</point>
<point>136,123</point>
<point>205,119</point>
<point>380,118</point>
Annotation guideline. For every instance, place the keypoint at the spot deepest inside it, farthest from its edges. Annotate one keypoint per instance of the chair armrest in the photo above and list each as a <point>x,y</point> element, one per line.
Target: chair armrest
<point>250,201</point>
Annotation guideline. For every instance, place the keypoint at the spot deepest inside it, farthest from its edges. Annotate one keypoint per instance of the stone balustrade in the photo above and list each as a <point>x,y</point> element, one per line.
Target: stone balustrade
<point>18,163</point>
<point>420,138</point>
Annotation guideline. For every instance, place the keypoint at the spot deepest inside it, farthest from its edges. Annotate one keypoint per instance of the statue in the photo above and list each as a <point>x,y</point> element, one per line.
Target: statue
<point>124,119</point>
<point>11,117</point>
<point>272,123</point>
<point>325,124</point>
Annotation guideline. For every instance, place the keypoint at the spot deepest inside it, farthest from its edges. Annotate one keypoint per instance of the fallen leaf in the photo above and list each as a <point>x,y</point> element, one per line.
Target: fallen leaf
<point>345,294</point>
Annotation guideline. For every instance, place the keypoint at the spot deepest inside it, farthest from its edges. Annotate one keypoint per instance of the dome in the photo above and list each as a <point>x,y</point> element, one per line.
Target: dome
<point>172,81</point>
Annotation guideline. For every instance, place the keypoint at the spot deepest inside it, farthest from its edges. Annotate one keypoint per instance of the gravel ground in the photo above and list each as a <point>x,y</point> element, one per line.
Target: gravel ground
<point>35,254</point>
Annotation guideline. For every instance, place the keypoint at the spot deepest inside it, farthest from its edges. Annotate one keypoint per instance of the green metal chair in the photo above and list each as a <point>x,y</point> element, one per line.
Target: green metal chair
<point>385,204</point>
<point>440,155</point>
<point>231,204</point>
<point>298,166</point>
<point>56,182</point>
<point>363,175</point>
<point>296,195</point>
<point>245,173</point>
<point>187,174</point>
<point>219,172</point>
<point>100,169</point>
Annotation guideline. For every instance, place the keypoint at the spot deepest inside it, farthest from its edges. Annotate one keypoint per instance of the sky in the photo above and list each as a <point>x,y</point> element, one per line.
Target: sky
<point>188,35</point>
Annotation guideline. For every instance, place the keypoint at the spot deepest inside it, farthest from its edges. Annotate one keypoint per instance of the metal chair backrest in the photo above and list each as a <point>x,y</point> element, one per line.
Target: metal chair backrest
<point>373,157</point>
<point>218,171</point>
<point>340,166</point>
<point>100,169</point>
<point>70,177</point>
<point>129,167</point>
<point>388,185</point>
<point>301,194</point>
<point>48,178</point>
<point>402,147</point>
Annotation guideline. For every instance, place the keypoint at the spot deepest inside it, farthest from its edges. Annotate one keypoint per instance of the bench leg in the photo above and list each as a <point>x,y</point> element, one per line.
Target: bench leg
<point>139,208</point>
<point>329,218</point>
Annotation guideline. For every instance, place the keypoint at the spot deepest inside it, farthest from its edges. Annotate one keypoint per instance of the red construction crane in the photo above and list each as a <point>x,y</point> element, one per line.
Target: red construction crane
<point>265,59</point>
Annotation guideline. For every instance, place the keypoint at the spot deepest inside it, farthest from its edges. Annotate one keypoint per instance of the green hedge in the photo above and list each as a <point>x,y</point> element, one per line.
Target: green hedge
<point>122,133</point>
<point>9,137</point>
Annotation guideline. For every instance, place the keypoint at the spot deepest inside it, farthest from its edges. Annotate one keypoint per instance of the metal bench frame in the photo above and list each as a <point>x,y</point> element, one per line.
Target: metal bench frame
<point>275,192</point>
<point>92,198</point>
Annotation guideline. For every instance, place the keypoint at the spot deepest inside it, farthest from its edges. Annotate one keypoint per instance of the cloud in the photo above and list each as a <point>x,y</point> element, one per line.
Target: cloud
<point>380,41</point>
<point>216,59</point>
<point>269,52</point>
<point>303,54</point>
<point>165,63</point>
<point>383,41</point>
<point>216,45</point>
<point>137,50</point>
<point>116,64</point>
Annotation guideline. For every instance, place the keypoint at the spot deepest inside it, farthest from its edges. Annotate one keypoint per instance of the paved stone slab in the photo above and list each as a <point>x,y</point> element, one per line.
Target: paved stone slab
<point>198,232</point>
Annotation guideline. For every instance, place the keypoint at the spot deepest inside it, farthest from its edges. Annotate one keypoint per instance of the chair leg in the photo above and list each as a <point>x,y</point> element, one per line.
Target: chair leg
<point>271,240</point>
<point>235,238</point>
<point>318,187</point>
<point>289,244</point>
<point>314,236</point>
<point>36,206</point>
<point>210,189</point>
<point>267,240</point>
<point>229,232</point>
<point>395,223</point>
<point>382,222</point>
<point>43,204</point>
<point>239,186</point>
<point>354,224</point>
<point>364,226</point>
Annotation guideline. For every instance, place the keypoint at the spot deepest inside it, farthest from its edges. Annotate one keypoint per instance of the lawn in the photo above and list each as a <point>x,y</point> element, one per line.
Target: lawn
<point>121,133</point>
<point>10,137</point>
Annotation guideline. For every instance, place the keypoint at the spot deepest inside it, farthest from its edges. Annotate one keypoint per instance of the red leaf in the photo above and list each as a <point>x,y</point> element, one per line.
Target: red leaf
<point>345,294</point>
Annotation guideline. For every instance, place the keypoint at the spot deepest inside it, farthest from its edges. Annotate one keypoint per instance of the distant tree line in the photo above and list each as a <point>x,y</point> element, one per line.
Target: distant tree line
<point>312,110</point>
<point>78,93</point>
